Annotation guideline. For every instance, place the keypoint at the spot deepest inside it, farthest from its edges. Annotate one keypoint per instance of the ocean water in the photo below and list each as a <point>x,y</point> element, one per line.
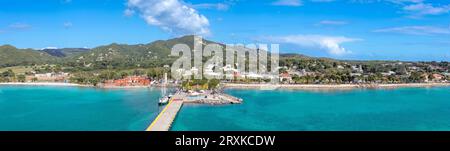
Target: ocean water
<point>403,109</point>
<point>47,108</point>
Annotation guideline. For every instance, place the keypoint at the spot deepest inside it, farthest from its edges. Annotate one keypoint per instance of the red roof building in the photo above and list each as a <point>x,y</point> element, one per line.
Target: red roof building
<point>129,81</point>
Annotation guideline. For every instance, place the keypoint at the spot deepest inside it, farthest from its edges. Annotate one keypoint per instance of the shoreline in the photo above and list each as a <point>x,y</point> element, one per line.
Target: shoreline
<point>124,87</point>
<point>256,86</point>
<point>60,84</point>
<point>70,85</point>
<point>332,86</point>
<point>44,84</point>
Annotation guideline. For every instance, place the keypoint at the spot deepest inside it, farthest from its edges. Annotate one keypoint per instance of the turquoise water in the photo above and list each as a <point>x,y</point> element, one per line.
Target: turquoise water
<point>402,109</point>
<point>38,108</point>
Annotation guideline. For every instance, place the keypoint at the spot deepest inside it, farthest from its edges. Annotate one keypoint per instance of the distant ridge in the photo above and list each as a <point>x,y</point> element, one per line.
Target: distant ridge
<point>11,56</point>
<point>65,51</point>
<point>156,53</point>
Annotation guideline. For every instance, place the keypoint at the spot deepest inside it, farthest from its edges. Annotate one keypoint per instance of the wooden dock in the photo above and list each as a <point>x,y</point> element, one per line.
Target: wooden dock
<point>164,120</point>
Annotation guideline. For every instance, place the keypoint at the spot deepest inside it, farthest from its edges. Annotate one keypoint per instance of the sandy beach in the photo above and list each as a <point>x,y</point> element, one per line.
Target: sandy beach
<point>330,86</point>
<point>258,86</point>
<point>42,84</point>
<point>124,87</point>
<point>71,84</point>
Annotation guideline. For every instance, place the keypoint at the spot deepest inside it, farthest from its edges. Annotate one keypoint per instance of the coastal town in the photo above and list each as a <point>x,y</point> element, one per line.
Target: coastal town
<point>314,72</point>
<point>291,72</point>
<point>120,65</point>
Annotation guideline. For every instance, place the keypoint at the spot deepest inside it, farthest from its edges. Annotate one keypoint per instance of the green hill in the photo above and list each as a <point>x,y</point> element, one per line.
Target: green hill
<point>154,54</point>
<point>11,56</point>
<point>65,52</point>
<point>122,55</point>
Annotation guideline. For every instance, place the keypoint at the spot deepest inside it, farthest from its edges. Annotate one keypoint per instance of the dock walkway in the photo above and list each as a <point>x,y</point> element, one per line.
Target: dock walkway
<point>164,120</point>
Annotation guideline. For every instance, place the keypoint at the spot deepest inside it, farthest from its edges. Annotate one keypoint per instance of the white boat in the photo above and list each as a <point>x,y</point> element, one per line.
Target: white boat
<point>163,100</point>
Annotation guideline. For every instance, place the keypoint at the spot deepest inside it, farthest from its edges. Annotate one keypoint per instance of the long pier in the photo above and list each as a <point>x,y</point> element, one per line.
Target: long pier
<point>164,120</point>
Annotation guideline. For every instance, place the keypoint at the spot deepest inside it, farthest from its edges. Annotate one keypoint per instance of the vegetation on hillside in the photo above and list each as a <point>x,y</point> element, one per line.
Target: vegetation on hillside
<point>11,56</point>
<point>114,61</point>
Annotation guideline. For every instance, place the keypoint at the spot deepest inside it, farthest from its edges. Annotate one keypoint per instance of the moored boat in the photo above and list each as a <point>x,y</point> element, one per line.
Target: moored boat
<point>164,100</point>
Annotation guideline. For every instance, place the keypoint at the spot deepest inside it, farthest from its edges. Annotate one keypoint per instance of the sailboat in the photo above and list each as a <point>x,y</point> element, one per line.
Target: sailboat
<point>165,99</point>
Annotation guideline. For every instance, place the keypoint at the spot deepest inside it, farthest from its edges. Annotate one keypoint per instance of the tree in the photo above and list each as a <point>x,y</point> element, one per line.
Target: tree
<point>212,84</point>
<point>138,72</point>
<point>8,74</point>
<point>107,75</point>
<point>21,78</point>
<point>123,74</point>
<point>94,81</point>
<point>57,68</point>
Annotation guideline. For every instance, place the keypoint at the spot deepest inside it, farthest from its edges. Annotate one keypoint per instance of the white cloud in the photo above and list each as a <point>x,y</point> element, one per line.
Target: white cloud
<point>67,25</point>
<point>288,3</point>
<point>416,8</point>
<point>332,22</point>
<point>405,1</point>
<point>128,12</point>
<point>416,30</point>
<point>422,9</point>
<point>330,44</point>
<point>171,15</point>
<point>20,26</point>
<point>297,2</point>
<point>323,0</point>
<point>218,6</point>
<point>51,47</point>
<point>390,1</point>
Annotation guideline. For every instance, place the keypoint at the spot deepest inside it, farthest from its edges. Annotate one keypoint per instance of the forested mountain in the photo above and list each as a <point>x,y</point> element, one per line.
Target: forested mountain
<point>65,52</point>
<point>11,56</point>
<point>113,55</point>
<point>122,56</point>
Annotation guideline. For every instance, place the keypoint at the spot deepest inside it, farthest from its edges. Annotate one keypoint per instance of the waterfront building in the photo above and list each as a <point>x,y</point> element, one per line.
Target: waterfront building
<point>129,81</point>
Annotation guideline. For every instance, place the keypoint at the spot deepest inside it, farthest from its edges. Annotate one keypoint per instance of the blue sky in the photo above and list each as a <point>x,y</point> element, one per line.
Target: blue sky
<point>343,29</point>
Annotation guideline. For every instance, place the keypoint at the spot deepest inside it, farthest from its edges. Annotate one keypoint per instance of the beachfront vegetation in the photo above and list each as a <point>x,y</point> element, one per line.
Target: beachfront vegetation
<point>202,84</point>
<point>329,71</point>
<point>116,61</point>
<point>7,76</point>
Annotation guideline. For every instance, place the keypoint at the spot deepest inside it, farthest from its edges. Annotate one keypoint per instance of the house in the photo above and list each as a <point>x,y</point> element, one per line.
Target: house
<point>388,73</point>
<point>129,81</point>
<point>50,77</point>
<point>285,77</point>
<point>357,68</point>
<point>437,77</point>
<point>355,74</point>
<point>358,80</point>
<point>43,75</point>
<point>302,73</point>
<point>253,76</point>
